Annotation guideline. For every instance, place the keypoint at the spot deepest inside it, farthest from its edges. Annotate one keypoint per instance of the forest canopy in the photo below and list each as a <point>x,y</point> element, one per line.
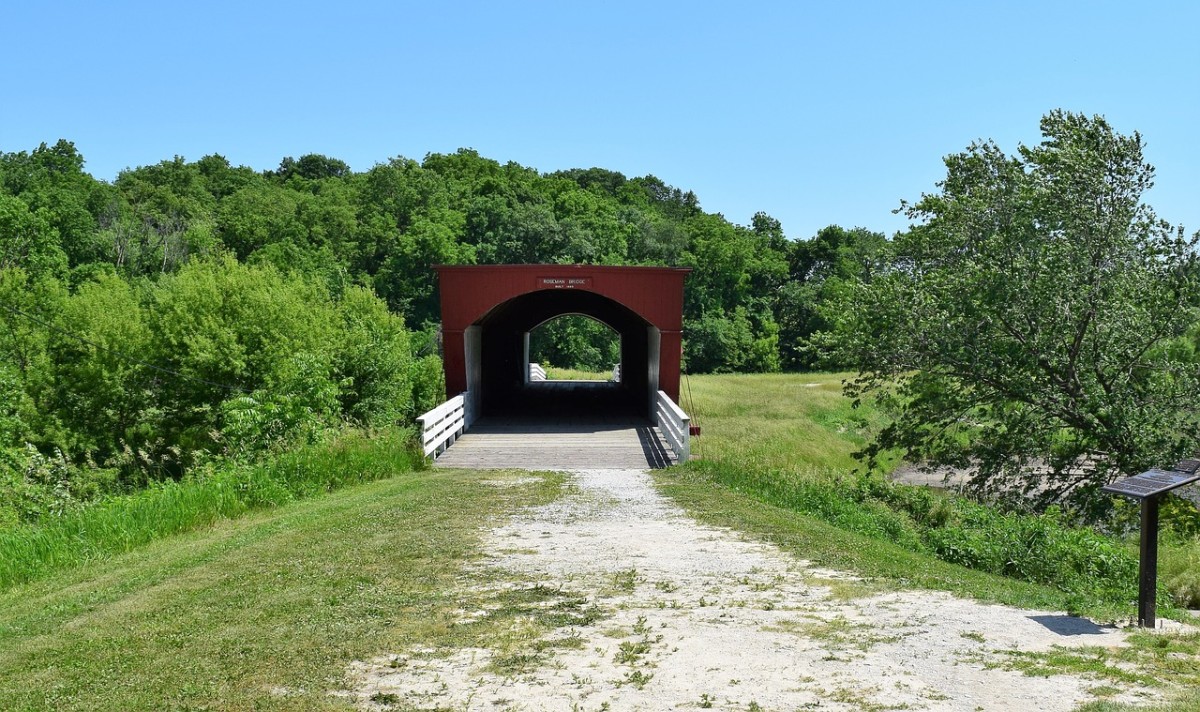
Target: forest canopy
<point>197,309</point>
<point>1037,316</point>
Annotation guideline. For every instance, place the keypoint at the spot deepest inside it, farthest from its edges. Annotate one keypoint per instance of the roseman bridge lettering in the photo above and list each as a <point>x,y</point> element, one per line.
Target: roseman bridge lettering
<point>497,415</point>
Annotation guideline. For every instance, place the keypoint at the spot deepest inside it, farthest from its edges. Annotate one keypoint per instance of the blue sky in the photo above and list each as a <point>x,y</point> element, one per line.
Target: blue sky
<point>817,113</point>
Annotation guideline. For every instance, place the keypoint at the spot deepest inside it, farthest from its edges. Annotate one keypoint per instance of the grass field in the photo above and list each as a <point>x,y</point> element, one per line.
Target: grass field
<point>264,605</point>
<point>800,423</point>
<point>554,373</point>
<point>262,612</point>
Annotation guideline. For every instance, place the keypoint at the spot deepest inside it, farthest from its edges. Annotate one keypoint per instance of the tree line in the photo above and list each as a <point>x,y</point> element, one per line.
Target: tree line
<point>196,309</point>
<point>1037,318</point>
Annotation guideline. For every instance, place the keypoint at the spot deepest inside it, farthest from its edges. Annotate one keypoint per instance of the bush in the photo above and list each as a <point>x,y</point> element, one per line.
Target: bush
<point>1040,549</point>
<point>1179,572</point>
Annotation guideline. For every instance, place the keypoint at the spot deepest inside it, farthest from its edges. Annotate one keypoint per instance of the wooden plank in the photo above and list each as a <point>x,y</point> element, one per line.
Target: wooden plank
<point>554,445</point>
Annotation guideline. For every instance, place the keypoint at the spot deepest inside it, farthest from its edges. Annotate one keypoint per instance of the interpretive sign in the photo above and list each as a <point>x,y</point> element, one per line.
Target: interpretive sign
<point>1152,482</point>
<point>564,282</point>
<point>1187,465</point>
<point>1149,488</point>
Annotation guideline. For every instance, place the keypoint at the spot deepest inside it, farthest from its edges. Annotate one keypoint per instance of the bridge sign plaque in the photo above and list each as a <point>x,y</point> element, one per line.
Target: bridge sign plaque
<point>564,282</point>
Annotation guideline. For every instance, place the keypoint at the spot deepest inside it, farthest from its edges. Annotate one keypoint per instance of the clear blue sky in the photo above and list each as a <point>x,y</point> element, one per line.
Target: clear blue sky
<point>816,113</point>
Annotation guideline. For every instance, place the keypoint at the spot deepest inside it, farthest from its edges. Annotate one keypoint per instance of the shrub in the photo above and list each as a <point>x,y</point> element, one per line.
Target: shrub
<point>1041,548</point>
<point>1179,572</point>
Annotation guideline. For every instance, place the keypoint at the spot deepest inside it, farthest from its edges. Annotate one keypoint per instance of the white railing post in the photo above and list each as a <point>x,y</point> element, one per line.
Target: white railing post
<point>675,426</point>
<point>441,426</point>
<point>616,377</point>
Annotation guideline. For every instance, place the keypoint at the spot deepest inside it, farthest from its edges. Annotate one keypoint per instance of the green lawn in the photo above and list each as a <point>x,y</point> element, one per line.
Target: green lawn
<point>800,423</point>
<point>265,611</point>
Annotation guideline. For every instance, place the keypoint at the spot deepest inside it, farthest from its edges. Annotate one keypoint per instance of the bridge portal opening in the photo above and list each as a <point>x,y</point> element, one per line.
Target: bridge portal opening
<point>490,311</point>
<point>501,358</point>
<point>574,347</point>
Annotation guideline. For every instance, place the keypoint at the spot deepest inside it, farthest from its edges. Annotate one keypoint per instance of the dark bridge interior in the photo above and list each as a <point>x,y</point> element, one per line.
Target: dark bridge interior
<point>504,388</point>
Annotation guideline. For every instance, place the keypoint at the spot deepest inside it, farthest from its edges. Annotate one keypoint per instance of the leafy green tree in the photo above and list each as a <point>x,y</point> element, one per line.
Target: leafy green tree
<point>227,329</point>
<point>260,215</point>
<point>1021,330</point>
<point>52,182</point>
<point>373,362</point>
<point>311,166</point>
<point>29,308</point>
<point>573,341</point>
<point>102,393</point>
<point>169,194</point>
<point>819,271</point>
<point>27,240</point>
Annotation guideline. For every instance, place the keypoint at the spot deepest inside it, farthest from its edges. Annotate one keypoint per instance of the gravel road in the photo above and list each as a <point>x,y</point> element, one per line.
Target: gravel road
<point>697,617</point>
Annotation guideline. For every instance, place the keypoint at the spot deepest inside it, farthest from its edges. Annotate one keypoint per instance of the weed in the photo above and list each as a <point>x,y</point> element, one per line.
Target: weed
<point>516,663</point>
<point>636,679</point>
<point>625,581</point>
<point>640,627</point>
<point>630,652</point>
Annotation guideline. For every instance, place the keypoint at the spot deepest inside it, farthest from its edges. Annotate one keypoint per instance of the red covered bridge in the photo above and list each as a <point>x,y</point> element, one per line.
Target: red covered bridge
<point>488,312</point>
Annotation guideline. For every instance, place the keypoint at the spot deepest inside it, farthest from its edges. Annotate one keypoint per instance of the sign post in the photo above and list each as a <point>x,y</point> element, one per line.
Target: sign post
<point>1149,488</point>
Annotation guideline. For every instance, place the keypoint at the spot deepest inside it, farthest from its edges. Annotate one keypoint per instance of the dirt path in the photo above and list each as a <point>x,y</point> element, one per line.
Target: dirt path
<point>696,617</point>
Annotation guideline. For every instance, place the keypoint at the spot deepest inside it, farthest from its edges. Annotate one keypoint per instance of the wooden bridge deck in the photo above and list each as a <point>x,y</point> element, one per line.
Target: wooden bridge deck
<point>558,444</point>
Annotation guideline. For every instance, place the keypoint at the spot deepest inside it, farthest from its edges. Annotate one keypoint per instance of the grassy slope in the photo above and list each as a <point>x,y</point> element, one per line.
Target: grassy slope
<point>280,600</point>
<point>766,421</point>
<point>801,424</point>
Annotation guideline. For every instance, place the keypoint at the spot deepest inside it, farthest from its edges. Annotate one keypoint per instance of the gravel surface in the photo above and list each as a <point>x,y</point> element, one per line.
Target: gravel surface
<point>696,617</point>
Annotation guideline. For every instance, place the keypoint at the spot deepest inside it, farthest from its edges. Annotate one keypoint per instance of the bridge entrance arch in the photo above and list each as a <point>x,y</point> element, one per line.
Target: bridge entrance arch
<point>489,310</point>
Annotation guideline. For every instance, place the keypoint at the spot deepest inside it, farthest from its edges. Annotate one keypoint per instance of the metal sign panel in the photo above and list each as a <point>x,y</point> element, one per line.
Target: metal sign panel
<point>1188,465</point>
<point>1152,482</point>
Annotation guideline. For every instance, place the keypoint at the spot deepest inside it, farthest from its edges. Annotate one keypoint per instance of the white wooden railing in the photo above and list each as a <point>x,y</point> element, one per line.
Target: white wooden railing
<point>675,426</point>
<point>441,426</point>
<point>536,372</point>
<point>616,377</point>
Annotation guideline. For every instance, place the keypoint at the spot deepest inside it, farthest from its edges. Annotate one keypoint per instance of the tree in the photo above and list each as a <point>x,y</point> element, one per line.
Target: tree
<point>819,270</point>
<point>27,240</point>
<point>1023,328</point>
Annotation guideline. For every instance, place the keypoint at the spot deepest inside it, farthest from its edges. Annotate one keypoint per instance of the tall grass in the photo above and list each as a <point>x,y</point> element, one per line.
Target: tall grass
<point>1179,570</point>
<point>554,373</point>
<point>221,491</point>
<point>799,424</point>
<point>1041,549</point>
